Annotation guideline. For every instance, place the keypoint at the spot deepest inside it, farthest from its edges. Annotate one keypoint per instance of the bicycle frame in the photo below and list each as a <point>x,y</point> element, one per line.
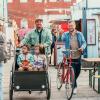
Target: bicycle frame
<point>65,74</point>
<point>68,66</point>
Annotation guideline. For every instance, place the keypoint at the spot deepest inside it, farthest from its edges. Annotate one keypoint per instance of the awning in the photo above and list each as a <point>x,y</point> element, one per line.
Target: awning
<point>58,21</point>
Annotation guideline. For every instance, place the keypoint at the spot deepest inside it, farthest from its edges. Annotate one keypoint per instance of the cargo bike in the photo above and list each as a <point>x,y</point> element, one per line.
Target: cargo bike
<point>28,80</point>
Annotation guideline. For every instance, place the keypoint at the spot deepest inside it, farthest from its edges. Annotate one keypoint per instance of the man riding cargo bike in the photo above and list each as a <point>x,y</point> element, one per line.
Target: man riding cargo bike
<point>32,80</point>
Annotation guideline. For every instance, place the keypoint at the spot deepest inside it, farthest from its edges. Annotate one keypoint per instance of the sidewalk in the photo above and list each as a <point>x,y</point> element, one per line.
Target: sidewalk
<point>84,91</point>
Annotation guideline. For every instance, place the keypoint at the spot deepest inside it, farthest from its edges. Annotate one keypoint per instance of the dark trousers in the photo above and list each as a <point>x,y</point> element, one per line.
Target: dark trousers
<point>76,64</point>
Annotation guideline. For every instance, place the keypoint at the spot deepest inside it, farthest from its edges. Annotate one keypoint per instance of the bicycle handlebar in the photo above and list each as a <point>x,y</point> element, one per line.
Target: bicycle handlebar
<point>71,50</point>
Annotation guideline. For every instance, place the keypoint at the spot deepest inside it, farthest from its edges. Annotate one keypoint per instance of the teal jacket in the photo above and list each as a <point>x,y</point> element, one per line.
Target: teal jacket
<point>80,38</point>
<point>29,57</point>
<point>32,38</point>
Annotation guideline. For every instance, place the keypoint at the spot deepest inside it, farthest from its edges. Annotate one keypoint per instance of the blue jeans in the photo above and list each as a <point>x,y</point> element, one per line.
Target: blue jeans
<point>1,87</point>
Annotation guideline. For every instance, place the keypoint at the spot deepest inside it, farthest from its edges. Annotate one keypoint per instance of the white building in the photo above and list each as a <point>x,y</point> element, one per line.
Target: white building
<point>93,29</point>
<point>3,11</point>
<point>4,20</point>
<point>3,14</point>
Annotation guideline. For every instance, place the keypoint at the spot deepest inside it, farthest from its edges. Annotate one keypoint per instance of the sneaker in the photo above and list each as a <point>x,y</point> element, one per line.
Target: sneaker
<point>75,91</point>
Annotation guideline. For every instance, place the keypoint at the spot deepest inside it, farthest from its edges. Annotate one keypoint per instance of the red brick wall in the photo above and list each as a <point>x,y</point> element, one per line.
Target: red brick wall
<point>31,9</point>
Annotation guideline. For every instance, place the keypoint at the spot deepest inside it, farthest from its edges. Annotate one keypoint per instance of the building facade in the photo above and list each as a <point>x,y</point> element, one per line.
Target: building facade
<point>24,12</point>
<point>4,14</point>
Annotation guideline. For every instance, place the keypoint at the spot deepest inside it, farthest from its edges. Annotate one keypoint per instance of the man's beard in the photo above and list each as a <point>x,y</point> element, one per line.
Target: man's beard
<point>72,30</point>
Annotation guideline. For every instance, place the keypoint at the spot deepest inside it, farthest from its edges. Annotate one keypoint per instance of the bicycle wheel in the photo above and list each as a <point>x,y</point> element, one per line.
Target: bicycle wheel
<point>59,76</point>
<point>11,88</point>
<point>70,81</point>
<point>48,90</point>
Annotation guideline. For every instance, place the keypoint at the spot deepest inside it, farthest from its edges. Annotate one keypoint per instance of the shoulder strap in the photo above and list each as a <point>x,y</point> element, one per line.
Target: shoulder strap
<point>2,38</point>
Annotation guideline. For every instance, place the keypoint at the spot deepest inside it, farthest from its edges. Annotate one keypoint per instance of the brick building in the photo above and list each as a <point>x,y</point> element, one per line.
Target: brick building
<point>24,12</point>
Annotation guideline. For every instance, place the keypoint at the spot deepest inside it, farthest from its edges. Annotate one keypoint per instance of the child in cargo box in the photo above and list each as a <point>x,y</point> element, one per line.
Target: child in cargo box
<point>40,62</point>
<point>25,60</point>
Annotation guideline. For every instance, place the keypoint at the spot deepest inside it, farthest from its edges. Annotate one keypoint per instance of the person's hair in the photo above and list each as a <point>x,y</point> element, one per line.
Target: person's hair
<point>41,50</point>
<point>38,20</point>
<point>37,46</point>
<point>72,21</point>
<point>28,48</point>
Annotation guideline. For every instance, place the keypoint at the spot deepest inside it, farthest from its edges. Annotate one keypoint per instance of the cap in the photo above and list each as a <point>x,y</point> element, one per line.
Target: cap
<point>39,19</point>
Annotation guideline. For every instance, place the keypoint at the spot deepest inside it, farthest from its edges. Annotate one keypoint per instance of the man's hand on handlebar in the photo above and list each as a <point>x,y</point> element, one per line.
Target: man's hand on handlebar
<point>41,46</point>
<point>80,50</point>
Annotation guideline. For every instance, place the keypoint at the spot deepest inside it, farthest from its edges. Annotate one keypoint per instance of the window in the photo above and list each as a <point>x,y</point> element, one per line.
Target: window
<point>23,1</point>
<point>53,0</point>
<point>38,0</point>
<point>10,1</point>
<point>24,23</point>
<point>67,0</point>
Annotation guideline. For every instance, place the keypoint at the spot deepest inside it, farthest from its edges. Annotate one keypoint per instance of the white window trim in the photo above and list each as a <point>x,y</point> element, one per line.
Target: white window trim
<point>23,1</point>
<point>67,0</point>
<point>52,0</point>
<point>38,1</point>
<point>24,23</point>
<point>10,1</point>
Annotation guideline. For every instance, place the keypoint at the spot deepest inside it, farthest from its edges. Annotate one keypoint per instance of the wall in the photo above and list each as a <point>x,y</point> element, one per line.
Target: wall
<point>31,10</point>
<point>77,15</point>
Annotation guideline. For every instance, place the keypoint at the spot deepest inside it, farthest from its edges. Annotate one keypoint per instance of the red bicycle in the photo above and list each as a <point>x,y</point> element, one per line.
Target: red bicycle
<point>65,73</point>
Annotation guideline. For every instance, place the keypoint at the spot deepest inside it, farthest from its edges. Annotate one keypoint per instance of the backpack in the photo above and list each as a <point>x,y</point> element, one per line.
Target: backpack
<point>2,39</point>
<point>2,54</point>
<point>2,49</point>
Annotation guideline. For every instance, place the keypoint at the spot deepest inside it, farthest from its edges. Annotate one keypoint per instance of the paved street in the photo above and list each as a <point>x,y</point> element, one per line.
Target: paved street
<point>84,92</point>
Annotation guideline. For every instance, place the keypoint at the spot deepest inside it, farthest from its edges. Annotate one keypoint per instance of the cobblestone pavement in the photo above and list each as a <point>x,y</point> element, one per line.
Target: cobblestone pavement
<point>84,91</point>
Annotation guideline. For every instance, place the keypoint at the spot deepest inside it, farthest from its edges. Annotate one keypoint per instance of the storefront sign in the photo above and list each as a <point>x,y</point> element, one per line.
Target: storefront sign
<point>91,32</point>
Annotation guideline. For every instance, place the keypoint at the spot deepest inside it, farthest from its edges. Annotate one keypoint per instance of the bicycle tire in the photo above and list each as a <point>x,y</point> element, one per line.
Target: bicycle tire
<point>59,76</point>
<point>48,90</point>
<point>11,88</point>
<point>69,85</point>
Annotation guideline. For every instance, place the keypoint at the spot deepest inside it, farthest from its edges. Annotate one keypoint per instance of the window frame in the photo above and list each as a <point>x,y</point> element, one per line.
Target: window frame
<point>52,0</point>
<point>10,1</point>
<point>36,1</point>
<point>23,1</point>
<point>67,0</point>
